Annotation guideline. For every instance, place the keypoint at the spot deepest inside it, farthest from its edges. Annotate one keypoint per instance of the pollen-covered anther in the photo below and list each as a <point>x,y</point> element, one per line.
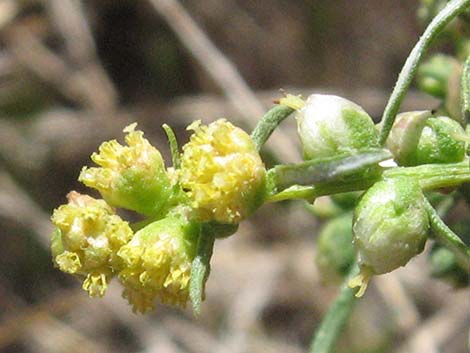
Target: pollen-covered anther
<point>222,172</point>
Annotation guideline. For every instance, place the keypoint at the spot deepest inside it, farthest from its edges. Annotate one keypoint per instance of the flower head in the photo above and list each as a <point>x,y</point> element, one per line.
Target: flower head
<point>222,172</point>
<point>87,239</point>
<point>390,227</point>
<point>157,263</point>
<point>419,138</point>
<point>329,125</point>
<point>131,176</point>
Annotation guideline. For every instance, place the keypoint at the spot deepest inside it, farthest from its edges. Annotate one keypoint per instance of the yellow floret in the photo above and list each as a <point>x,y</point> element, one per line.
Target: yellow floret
<point>87,240</point>
<point>222,172</point>
<point>157,264</point>
<point>131,176</point>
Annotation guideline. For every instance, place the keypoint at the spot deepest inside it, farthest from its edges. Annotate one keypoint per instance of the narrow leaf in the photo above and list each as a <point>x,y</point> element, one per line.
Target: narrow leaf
<point>174,148</point>
<point>200,268</point>
<point>326,170</point>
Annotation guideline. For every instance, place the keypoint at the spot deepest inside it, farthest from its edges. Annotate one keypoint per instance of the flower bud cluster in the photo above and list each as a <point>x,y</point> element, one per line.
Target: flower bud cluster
<point>221,179</point>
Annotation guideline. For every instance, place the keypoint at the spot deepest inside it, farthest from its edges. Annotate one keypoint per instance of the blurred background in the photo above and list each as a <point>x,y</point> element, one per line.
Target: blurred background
<point>75,73</point>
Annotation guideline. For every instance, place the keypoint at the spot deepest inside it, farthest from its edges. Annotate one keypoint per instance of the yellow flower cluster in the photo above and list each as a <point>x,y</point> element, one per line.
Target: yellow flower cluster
<point>221,178</point>
<point>222,172</point>
<point>87,239</point>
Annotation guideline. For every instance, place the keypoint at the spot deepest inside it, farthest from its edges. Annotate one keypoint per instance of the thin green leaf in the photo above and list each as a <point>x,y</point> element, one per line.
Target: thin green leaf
<point>268,123</point>
<point>200,268</point>
<point>451,10</point>
<point>448,238</point>
<point>174,148</point>
<point>326,170</point>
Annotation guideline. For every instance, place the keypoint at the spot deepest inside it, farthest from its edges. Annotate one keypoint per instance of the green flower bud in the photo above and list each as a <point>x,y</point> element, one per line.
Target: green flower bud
<point>417,138</point>
<point>390,227</point>
<point>222,173</point>
<point>433,75</point>
<point>87,239</point>
<point>131,176</point>
<point>335,252</point>
<point>328,125</point>
<point>157,263</point>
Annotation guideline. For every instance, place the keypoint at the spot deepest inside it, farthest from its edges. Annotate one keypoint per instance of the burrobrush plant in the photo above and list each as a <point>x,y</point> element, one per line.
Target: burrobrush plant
<point>382,213</point>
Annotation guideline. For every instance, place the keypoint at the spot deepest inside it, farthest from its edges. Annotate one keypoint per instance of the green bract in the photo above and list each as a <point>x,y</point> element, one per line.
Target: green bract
<point>390,227</point>
<point>329,125</point>
<point>335,252</point>
<point>417,138</point>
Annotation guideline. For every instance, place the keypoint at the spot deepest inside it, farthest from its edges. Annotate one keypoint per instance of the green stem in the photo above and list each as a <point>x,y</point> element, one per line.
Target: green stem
<point>269,123</point>
<point>332,325</point>
<point>434,176</point>
<point>451,10</point>
<point>448,238</point>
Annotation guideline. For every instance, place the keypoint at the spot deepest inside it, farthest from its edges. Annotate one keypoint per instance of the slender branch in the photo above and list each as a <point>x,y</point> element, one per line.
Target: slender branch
<point>268,123</point>
<point>332,325</point>
<point>451,10</point>
<point>434,176</point>
<point>448,238</point>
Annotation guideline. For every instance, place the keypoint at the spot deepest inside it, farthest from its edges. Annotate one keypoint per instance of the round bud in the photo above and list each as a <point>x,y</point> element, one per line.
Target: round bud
<point>390,227</point>
<point>334,252</point>
<point>418,138</point>
<point>328,125</point>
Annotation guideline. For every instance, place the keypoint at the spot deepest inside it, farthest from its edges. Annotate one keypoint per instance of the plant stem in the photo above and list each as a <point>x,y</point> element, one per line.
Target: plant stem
<point>269,123</point>
<point>332,325</point>
<point>448,238</point>
<point>434,176</point>
<point>451,10</point>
